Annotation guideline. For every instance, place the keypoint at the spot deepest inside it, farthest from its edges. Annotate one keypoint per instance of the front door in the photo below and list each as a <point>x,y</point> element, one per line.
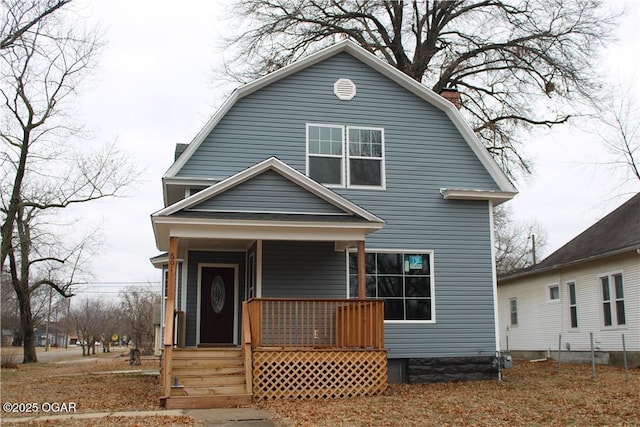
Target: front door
<point>217,286</point>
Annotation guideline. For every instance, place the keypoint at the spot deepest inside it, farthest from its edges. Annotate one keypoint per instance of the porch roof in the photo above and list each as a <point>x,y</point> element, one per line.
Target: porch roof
<point>297,208</point>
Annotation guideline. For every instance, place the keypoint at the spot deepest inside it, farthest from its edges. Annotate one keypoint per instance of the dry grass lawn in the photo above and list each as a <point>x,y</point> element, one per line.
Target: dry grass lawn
<point>530,394</point>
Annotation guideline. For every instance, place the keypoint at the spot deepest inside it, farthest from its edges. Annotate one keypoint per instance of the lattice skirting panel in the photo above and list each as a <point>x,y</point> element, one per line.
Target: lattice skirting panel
<point>318,374</point>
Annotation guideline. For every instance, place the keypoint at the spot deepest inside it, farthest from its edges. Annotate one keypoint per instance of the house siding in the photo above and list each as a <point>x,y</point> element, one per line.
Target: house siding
<point>424,153</point>
<point>272,122</point>
<point>201,257</point>
<point>303,270</point>
<point>269,192</point>
<point>540,322</point>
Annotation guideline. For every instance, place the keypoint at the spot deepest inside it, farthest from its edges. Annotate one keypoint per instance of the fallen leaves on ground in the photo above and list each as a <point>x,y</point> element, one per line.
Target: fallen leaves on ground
<point>85,383</point>
<point>530,394</point>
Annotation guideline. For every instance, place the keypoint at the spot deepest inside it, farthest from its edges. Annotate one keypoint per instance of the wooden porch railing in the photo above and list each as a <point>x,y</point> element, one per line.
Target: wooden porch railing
<point>316,323</point>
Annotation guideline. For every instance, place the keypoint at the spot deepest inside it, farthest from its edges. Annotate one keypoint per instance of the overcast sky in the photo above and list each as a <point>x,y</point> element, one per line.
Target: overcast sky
<point>156,86</point>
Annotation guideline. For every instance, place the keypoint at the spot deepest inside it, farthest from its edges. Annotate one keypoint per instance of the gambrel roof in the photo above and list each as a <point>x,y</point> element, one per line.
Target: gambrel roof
<point>507,190</point>
<point>616,233</point>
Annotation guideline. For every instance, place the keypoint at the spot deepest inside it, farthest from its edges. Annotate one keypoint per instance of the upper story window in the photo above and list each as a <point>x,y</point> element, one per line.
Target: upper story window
<point>553,292</point>
<point>346,156</point>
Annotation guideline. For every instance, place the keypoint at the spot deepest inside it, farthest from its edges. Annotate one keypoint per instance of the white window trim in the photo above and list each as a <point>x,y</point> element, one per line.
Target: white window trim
<point>345,175</point>
<point>569,305</point>
<point>548,289</point>
<point>432,281</point>
<point>383,180</point>
<point>341,157</point>
<point>511,324</point>
<point>614,314</point>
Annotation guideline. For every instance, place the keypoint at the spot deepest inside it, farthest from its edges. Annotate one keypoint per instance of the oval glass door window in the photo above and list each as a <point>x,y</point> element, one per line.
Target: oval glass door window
<point>217,294</point>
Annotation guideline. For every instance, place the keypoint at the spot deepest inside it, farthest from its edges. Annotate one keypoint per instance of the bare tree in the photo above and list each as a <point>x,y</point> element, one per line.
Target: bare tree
<point>619,128</point>
<point>137,311</point>
<point>87,315</point>
<point>45,166</point>
<point>517,245</point>
<point>515,64</point>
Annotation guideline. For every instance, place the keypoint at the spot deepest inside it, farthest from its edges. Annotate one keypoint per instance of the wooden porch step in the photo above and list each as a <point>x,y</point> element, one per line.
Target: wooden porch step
<point>204,402</point>
<point>191,371</point>
<point>227,390</point>
<point>199,353</point>
<point>211,380</point>
<point>203,363</point>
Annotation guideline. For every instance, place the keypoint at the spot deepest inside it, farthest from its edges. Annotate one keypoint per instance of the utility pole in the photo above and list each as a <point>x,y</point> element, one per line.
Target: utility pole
<point>46,332</point>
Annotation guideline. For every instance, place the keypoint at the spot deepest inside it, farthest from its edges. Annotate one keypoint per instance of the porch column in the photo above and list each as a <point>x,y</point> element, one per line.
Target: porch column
<point>362,283</point>
<point>168,317</point>
<point>171,292</point>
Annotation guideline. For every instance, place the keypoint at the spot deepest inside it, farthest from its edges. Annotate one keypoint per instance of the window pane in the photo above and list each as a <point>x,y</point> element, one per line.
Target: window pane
<point>606,308</point>
<point>376,137</point>
<point>353,262</point>
<point>336,134</point>
<point>416,264</point>
<point>314,147</point>
<point>389,263</point>
<point>617,279</point>
<point>574,317</point>
<point>353,285</point>
<point>620,313</point>
<point>365,172</point>
<point>354,149</point>
<point>605,288</point>
<point>417,286</point>
<point>325,170</point>
<point>572,293</point>
<point>376,150</point>
<point>418,309</point>
<point>336,148</point>
<point>325,133</point>
<point>554,292</point>
<point>354,135</point>
<point>393,309</point>
<point>371,287</point>
<point>389,286</point>
<point>314,133</point>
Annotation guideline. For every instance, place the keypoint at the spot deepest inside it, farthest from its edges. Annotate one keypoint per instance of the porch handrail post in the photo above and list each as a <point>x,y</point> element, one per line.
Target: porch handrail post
<point>246,347</point>
<point>168,315</point>
<point>362,283</point>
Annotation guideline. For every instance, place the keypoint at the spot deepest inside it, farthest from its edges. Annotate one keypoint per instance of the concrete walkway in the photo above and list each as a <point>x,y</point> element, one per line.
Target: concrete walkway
<point>226,417</point>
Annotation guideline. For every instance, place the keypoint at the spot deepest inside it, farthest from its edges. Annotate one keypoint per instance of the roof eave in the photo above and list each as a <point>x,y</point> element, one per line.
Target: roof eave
<point>543,270</point>
<point>496,197</point>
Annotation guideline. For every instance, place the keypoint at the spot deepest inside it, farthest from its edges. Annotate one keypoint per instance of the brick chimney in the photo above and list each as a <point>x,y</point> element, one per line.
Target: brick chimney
<point>452,95</point>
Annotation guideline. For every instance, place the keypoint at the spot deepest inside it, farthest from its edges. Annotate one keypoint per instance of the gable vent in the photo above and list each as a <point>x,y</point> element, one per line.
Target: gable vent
<point>344,89</point>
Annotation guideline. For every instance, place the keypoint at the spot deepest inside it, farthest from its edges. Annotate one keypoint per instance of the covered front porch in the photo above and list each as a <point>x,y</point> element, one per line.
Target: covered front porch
<point>268,285</point>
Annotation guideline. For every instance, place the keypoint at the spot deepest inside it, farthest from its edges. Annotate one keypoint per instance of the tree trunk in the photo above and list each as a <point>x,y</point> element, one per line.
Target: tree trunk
<point>26,323</point>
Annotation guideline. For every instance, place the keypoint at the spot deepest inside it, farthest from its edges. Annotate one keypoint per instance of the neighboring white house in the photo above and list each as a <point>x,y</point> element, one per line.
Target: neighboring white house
<point>590,285</point>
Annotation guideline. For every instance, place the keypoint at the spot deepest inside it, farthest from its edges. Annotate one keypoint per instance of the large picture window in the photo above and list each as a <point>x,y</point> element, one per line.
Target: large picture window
<point>343,156</point>
<point>402,279</point>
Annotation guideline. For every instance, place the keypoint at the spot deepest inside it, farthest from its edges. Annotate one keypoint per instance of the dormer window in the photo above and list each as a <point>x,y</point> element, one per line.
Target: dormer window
<point>346,156</point>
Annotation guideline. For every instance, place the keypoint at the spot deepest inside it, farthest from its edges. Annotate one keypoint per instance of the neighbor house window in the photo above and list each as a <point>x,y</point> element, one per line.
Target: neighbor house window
<point>553,292</point>
<point>573,304</point>
<point>344,156</point>
<point>513,308</point>
<point>402,279</point>
<point>613,300</point>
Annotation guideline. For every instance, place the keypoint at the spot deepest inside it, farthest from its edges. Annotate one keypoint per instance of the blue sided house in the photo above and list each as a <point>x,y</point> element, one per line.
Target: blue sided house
<point>329,230</point>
